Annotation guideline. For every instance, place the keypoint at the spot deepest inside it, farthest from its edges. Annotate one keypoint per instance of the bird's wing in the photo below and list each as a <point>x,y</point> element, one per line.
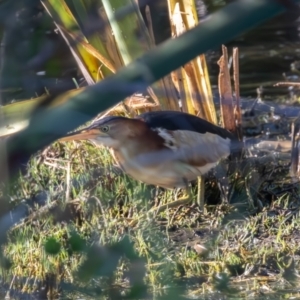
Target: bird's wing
<point>195,140</point>
<point>176,120</point>
<point>189,141</point>
<point>188,147</point>
<point>199,149</point>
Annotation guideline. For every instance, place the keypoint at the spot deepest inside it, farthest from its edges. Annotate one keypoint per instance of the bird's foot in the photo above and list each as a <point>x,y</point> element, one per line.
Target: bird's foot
<point>176,203</point>
<point>223,183</point>
<point>184,200</point>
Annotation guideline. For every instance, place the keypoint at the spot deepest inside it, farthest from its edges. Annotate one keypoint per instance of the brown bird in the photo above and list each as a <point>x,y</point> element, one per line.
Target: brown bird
<point>162,148</point>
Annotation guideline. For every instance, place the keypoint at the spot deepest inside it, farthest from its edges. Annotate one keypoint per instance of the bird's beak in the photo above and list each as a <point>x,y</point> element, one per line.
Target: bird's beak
<point>85,134</point>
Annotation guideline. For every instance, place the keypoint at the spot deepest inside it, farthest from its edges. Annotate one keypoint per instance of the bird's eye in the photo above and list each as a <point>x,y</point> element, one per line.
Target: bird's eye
<point>104,129</point>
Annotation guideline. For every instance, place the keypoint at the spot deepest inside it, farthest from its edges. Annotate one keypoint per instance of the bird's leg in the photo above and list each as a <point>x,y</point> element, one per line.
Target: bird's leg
<point>200,194</point>
<point>156,198</point>
<point>223,183</point>
<point>186,199</point>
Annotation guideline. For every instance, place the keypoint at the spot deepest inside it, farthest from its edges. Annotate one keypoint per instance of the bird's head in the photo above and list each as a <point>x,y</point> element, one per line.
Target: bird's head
<point>110,131</point>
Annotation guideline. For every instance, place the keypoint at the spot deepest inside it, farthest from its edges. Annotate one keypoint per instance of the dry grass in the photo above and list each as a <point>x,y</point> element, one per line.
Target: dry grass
<point>90,232</point>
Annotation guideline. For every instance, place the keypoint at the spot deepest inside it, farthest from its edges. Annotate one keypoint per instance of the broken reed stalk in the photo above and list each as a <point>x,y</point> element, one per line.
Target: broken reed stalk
<point>225,91</point>
<point>230,112</point>
<point>236,78</point>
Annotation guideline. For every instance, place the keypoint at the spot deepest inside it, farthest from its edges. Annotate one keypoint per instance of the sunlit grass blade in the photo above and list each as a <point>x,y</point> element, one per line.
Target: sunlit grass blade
<point>69,28</point>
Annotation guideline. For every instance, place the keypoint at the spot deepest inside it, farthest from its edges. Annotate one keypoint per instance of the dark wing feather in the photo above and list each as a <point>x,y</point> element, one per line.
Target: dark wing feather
<point>176,120</point>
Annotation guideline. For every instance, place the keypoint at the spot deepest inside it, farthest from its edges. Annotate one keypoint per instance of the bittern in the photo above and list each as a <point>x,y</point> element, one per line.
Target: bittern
<point>161,148</point>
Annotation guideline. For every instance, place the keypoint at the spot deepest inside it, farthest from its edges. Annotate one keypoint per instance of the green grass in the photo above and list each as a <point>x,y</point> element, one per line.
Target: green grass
<point>95,234</point>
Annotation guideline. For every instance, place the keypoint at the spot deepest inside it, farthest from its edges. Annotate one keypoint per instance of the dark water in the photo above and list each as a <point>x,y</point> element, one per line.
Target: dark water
<point>266,53</point>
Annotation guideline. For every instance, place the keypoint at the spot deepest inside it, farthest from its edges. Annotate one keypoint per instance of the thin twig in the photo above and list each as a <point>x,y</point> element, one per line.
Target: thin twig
<point>287,83</point>
<point>150,27</point>
<point>68,181</point>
